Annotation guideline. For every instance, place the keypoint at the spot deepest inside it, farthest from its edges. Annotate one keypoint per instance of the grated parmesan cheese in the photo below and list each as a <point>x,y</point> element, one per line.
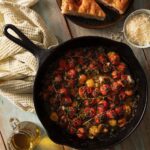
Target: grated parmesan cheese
<point>138,29</point>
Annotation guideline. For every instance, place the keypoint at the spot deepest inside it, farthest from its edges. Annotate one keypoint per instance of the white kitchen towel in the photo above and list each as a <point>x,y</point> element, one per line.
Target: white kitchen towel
<point>27,3</point>
<point>18,67</point>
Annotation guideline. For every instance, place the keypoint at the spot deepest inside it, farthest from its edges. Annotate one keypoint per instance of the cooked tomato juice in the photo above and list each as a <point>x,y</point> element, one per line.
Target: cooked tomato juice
<point>90,93</point>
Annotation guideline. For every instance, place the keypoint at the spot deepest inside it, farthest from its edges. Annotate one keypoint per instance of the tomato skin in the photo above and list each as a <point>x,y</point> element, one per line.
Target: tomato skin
<point>104,89</point>
<point>82,91</point>
<point>71,130</point>
<point>82,79</point>
<point>113,58</point>
<point>63,91</point>
<point>72,112</point>
<point>122,95</point>
<point>100,110</point>
<point>121,67</point>
<point>72,73</point>
<point>76,122</point>
<point>67,101</point>
<point>110,114</point>
<point>104,104</point>
<point>129,92</point>
<point>97,119</point>
<point>119,110</point>
<point>116,86</point>
<point>89,112</point>
<point>58,78</point>
<point>116,75</point>
<point>102,58</point>
<point>81,133</point>
<point>86,103</point>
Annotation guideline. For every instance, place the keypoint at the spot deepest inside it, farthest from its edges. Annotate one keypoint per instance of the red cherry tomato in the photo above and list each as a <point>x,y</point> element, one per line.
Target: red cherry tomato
<point>81,133</point>
<point>113,58</point>
<point>102,58</point>
<point>76,122</point>
<point>104,89</point>
<point>82,91</point>
<point>67,101</point>
<point>89,112</point>
<point>100,110</point>
<point>119,110</point>
<point>116,86</point>
<point>116,75</point>
<point>63,91</point>
<point>121,67</point>
<point>72,73</point>
<point>110,114</point>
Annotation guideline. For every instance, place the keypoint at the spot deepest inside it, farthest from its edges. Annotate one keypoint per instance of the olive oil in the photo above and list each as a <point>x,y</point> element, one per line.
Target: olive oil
<point>25,137</point>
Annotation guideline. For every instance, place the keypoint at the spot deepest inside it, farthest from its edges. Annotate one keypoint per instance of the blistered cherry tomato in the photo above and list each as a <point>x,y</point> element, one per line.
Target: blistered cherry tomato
<point>58,78</point>
<point>129,92</point>
<point>63,91</point>
<point>102,58</point>
<point>100,110</point>
<point>90,83</point>
<point>104,89</point>
<point>81,133</point>
<point>76,122</point>
<point>82,78</point>
<point>71,130</point>
<point>71,112</point>
<point>122,95</point>
<point>72,73</point>
<point>110,114</point>
<point>67,101</point>
<point>119,110</point>
<point>89,112</point>
<point>113,58</point>
<point>82,91</point>
<point>116,75</point>
<point>121,67</point>
<point>116,86</point>
<point>104,104</point>
<point>86,103</point>
<point>97,119</point>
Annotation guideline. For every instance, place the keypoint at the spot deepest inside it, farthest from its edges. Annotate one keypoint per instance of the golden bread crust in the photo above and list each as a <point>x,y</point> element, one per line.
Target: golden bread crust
<point>84,8</point>
<point>119,5</point>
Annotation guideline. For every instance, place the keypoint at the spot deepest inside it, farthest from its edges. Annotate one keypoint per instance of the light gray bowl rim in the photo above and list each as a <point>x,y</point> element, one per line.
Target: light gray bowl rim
<point>139,11</point>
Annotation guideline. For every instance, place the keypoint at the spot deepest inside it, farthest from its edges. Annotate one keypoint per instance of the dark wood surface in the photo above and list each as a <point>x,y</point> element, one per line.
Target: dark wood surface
<point>64,29</point>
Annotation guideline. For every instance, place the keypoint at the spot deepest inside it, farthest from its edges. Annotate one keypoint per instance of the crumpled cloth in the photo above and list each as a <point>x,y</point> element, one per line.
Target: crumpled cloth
<point>18,67</point>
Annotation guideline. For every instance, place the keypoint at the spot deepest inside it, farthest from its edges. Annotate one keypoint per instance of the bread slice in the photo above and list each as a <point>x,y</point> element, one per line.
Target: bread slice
<point>118,5</point>
<point>84,8</point>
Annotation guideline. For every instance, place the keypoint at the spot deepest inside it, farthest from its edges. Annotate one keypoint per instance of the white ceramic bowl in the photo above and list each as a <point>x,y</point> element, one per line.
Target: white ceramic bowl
<point>139,11</point>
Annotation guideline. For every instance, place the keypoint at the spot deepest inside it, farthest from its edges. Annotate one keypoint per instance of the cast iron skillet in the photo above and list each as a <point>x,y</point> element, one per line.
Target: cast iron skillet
<point>49,57</point>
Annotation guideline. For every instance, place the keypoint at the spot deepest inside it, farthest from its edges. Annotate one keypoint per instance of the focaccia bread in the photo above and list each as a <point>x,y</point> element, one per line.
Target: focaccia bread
<point>84,8</point>
<point>118,5</point>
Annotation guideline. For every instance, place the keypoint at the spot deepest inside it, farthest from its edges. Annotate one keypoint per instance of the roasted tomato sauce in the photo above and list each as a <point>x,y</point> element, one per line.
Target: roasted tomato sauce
<point>89,93</point>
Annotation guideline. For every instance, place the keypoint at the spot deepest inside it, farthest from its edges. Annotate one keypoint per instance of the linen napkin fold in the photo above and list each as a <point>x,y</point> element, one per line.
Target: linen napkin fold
<point>18,67</point>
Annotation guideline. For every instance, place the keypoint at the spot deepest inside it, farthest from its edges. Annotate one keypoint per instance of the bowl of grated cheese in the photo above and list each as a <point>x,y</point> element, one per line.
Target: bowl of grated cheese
<point>137,28</point>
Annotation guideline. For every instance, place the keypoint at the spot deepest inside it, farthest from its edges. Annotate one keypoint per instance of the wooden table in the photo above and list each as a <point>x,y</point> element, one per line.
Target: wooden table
<point>64,30</point>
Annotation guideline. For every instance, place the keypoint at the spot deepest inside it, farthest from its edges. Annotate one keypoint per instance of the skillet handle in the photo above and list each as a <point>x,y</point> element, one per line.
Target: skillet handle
<point>23,40</point>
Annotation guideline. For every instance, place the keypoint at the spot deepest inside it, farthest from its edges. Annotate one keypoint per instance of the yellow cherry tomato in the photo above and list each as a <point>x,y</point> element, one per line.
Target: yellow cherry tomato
<point>112,122</point>
<point>90,83</point>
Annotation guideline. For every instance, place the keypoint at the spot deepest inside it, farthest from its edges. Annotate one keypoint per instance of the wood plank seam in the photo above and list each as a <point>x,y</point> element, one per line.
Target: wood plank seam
<point>3,141</point>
